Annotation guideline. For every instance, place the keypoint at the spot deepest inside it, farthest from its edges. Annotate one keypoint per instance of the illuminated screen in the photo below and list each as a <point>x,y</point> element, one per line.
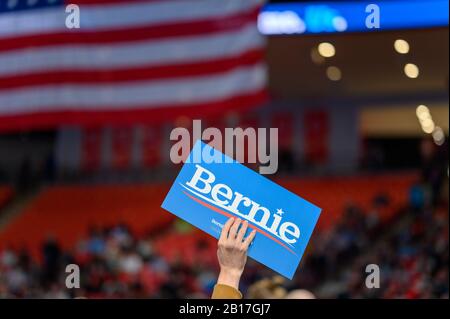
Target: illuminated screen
<point>352,16</point>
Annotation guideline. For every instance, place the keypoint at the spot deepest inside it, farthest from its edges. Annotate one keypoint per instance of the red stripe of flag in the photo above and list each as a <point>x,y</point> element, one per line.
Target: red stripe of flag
<point>140,73</point>
<point>126,116</point>
<point>179,29</point>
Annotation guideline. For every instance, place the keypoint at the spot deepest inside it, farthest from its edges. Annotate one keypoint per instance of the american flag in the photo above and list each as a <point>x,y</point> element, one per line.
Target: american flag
<point>130,61</point>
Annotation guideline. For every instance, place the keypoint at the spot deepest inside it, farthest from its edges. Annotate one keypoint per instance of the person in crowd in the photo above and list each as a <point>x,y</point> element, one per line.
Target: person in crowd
<point>117,262</point>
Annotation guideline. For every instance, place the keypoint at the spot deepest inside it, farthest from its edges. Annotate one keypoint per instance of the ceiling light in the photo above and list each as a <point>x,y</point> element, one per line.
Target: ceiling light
<point>326,49</point>
<point>428,126</point>
<point>401,46</point>
<point>438,136</point>
<point>411,70</point>
<point>334,73</point>
<point>423,112</point>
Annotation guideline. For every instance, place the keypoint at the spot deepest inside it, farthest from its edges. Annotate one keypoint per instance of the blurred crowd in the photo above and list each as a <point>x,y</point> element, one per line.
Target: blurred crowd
<point>113,263</point>
<point>411,252</point>
<point>413,261</point>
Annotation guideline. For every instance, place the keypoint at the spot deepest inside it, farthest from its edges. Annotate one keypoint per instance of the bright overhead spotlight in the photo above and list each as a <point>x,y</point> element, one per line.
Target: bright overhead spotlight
<point>428,126</point>
<point>411,70</point>
<point>401,46</point>
<point>326,49</point>
<point>423,112</point>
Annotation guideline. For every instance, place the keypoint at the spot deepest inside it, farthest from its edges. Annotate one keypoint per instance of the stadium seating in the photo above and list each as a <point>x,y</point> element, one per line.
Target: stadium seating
<point>334,194</point>
<point>68,211</point>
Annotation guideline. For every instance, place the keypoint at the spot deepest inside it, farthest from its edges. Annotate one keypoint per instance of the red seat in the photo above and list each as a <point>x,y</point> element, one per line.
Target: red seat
<point>67,211</point>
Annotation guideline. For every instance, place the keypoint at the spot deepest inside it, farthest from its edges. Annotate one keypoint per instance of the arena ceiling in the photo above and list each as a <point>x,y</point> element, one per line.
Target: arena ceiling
<point>369,65</point>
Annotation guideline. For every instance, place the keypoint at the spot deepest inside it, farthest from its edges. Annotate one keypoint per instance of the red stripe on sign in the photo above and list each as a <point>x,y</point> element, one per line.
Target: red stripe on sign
<point>126,116</point>
<point>172,71</point>
<point>224,213</point>
<point>180,29</point>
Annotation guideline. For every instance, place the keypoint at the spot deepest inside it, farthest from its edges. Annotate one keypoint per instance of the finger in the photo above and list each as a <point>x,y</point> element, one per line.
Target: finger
<point>226,229</point>
<point>242,231</point>
<point>234,229</point>
<point>249,239</point>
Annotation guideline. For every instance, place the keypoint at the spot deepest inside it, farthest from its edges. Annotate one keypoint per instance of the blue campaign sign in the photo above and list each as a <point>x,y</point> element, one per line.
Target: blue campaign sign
<point>211,187</point>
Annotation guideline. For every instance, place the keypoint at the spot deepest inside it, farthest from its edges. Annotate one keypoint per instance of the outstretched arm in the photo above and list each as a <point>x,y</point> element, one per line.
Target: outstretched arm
<point>232,255</point>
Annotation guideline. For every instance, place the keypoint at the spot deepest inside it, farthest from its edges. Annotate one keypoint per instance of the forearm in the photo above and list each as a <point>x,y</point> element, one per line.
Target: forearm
<point>227,286</point>
<point>229,277</point>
